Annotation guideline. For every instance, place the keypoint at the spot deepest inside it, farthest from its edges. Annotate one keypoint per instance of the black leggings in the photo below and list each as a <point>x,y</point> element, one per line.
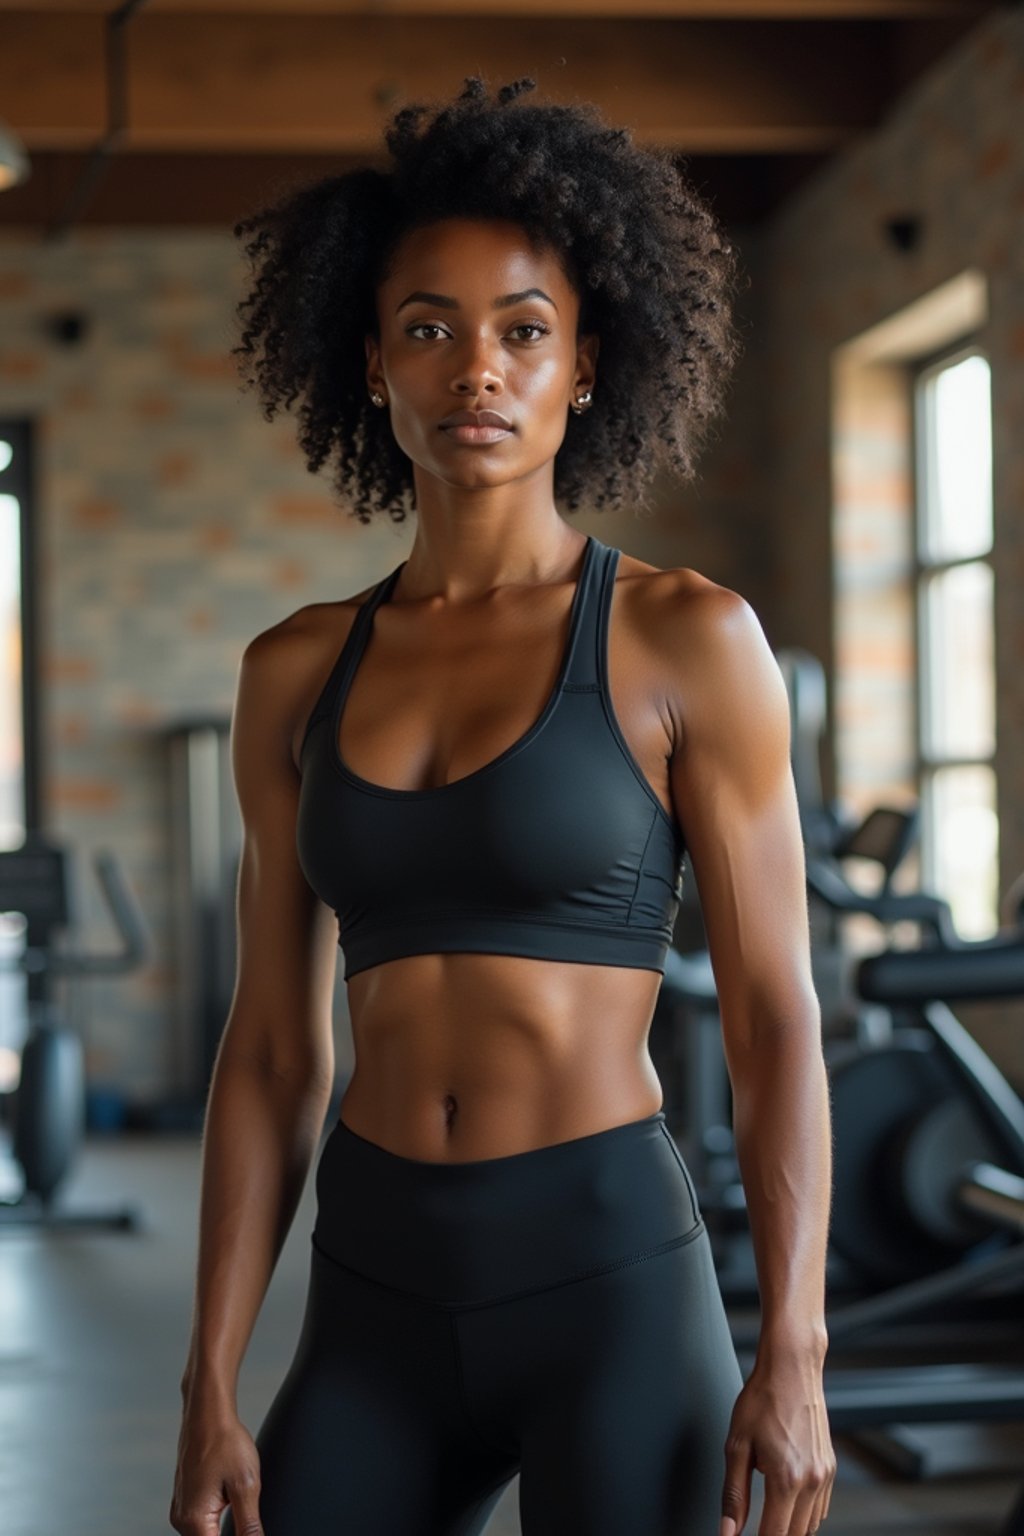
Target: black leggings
<point>554,1313</point>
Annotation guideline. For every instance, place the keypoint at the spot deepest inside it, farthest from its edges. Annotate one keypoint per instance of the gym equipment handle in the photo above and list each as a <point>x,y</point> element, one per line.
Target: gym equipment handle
<point>136,946</point>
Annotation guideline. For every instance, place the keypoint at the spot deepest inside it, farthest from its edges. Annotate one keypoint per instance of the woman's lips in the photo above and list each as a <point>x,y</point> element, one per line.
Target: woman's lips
<point>470,434</point>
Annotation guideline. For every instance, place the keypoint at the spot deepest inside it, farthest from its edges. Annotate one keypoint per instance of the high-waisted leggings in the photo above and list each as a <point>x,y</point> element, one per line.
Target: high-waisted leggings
<point>554,1313</point>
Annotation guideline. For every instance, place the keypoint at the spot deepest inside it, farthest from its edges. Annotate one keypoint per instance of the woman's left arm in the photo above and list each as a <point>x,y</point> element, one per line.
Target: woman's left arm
<point>733,789</point>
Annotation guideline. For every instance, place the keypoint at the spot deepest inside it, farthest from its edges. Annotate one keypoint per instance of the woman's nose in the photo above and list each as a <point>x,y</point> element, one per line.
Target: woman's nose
<point>478,369</point>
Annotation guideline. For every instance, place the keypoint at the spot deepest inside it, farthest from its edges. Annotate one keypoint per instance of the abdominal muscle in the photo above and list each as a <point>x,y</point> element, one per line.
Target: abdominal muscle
<point>460,1057</point>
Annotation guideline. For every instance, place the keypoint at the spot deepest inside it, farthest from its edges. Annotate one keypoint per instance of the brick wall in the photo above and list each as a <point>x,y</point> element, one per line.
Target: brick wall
<point>952,155</point>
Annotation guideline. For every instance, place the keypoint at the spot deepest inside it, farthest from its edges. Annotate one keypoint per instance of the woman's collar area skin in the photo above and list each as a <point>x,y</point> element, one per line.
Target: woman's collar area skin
<point>472,315</point>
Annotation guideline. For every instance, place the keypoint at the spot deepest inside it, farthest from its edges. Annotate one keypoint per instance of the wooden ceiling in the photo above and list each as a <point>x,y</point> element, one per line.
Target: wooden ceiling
<point>191,112</point>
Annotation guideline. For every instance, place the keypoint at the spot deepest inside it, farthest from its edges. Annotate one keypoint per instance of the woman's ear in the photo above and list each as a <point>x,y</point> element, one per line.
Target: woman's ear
<point>587,348</point>
<point>371,345</point>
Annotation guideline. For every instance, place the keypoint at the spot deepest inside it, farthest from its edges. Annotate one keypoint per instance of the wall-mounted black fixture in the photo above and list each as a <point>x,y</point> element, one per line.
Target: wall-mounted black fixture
<point>67,327</point>
<point>904,232</point>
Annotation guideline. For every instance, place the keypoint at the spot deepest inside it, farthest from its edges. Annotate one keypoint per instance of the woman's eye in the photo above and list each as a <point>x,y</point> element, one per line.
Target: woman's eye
<point>525,325</point>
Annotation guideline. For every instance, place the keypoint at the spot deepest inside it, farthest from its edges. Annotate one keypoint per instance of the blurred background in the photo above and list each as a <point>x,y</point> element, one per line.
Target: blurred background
<point>864,493</point>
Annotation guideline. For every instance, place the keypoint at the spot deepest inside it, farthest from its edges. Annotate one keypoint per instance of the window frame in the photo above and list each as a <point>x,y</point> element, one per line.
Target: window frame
<point>925,567</point>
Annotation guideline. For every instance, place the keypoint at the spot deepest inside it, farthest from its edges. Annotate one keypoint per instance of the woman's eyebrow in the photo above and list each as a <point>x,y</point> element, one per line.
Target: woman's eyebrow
<point>444,301</point>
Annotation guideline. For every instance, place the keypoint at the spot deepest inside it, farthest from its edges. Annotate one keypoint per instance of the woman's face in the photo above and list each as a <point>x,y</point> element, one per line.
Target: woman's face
<point>472,317</point>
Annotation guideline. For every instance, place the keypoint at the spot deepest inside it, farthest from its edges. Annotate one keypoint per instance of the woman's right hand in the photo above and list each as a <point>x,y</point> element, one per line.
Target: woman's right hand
<point>218,1466</point>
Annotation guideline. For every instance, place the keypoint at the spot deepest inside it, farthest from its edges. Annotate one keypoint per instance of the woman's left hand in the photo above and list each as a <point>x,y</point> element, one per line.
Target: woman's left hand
<point>780,1427</point>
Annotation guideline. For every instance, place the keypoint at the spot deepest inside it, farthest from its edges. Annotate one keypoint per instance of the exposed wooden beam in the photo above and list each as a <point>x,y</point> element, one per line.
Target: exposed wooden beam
<point>318,83</point>
<point>213,191</point>
<point>223,100</point>
<point>706,10</point>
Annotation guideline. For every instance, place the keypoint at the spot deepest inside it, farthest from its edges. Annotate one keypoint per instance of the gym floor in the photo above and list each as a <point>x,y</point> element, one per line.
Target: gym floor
<point>93,1333</point>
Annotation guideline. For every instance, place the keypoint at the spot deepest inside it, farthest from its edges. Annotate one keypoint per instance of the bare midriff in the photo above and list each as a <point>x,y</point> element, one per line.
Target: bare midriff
<point>460,1057</point>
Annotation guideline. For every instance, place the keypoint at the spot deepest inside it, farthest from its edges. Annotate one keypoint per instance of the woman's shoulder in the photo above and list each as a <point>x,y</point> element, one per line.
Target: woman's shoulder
<point>293,659</point>
<point>309,627</point>
<point>698,638</point>
<point>674,596</point>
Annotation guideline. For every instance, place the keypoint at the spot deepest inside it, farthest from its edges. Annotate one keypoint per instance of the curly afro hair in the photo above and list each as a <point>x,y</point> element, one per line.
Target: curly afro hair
<point>653,270</point>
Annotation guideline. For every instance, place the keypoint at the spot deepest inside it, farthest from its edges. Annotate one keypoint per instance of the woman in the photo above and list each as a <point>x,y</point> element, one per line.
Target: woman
<point>489,766</point>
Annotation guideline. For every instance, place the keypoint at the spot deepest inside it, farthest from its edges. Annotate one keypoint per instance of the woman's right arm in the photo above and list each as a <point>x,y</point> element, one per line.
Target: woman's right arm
<point>268,1096</point>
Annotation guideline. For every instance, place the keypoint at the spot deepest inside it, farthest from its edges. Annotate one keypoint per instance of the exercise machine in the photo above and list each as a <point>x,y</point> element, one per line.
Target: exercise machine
<point>929,1176</point>
<point>49,1102</point>
<point>928,1168</point>
<point>932,1134</point>
<point>928,1213</point>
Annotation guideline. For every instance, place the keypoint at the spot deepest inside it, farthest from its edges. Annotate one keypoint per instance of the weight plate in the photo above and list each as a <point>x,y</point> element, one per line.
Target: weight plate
<point>876,1094</point>
<point>935,1151</point>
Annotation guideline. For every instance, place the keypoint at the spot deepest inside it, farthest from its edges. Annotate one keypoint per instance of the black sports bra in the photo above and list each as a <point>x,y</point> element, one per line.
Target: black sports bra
<point>558,849</point>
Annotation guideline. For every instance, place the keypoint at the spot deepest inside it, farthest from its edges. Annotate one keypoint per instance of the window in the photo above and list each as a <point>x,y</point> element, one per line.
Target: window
<point>19,768</point>
<point>955,637</point>
<point>17,782</point>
